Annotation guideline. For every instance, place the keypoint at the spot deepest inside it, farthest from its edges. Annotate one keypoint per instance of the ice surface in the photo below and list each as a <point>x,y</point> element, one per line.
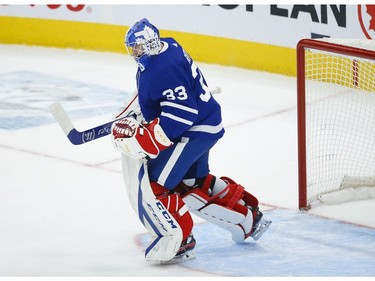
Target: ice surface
<point>64,210</point>
<point>298,245</point>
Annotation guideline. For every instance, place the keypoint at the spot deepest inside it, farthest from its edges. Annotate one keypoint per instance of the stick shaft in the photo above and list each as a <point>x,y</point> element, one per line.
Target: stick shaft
<point>80,137</point>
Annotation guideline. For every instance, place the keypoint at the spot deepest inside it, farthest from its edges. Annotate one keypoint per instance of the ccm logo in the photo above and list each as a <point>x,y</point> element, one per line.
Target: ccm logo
<point>165,215</point>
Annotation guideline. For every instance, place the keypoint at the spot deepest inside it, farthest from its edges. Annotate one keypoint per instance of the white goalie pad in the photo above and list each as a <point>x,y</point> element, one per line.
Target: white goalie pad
<point>166,234</point>
<point>236,223</point>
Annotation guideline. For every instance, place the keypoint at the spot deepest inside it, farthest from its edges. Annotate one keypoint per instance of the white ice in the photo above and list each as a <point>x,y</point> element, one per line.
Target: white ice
<point>63,208</point>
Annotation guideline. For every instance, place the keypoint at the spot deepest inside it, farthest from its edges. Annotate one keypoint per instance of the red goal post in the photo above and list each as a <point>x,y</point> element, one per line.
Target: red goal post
<point>336,112</point>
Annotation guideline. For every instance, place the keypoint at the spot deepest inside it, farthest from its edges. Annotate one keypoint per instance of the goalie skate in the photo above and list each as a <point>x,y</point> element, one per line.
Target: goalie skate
<point>185,252</point>
<point>260,228</point>
<point>188,255</point>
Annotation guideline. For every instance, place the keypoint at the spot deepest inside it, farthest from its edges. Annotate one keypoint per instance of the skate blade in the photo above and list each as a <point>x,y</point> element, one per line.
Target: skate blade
<point>181,258</point>
<point>261,228</point>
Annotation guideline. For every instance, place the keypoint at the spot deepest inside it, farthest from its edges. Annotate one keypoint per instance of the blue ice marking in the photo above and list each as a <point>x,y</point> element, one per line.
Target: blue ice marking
<point>25,98</point>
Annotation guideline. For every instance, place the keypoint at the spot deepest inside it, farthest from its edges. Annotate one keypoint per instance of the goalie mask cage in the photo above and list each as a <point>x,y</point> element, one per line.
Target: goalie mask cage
<point>336,117</point>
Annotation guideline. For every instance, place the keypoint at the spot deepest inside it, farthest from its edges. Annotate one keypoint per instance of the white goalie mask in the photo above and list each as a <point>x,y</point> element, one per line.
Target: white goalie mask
<point>142,42</point>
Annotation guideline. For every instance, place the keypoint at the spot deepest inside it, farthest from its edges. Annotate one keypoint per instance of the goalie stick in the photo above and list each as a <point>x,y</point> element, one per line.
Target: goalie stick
<point>80,137</point>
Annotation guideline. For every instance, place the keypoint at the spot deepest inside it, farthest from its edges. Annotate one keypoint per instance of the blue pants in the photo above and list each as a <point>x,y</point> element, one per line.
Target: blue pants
<point>187,158</point>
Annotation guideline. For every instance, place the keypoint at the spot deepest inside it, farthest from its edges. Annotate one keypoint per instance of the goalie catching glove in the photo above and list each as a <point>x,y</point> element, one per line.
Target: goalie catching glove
<point>139,140</point>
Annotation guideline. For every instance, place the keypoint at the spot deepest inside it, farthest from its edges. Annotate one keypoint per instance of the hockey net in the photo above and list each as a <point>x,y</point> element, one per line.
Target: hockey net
<point>336,120</point>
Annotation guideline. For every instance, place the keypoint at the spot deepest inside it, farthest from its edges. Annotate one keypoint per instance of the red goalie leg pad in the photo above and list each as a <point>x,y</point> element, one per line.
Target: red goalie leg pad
<point>176,207</point>
<point>158,189</point>
<point>207,184</point>
<point>236,192</point>
<point>248,198</point>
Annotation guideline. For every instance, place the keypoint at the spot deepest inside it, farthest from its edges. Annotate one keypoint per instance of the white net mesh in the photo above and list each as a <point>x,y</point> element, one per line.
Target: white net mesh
<point>340,120</point>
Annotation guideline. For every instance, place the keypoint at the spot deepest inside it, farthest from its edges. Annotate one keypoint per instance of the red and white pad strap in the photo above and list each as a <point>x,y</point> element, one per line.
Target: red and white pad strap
<point>237,223</point>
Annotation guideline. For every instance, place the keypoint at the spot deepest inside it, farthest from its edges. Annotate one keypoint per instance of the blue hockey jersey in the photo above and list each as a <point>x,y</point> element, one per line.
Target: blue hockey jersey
<point>173,89</point>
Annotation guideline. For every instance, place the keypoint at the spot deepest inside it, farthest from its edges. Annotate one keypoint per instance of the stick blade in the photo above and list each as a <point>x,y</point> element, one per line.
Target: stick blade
<point>61,117</point>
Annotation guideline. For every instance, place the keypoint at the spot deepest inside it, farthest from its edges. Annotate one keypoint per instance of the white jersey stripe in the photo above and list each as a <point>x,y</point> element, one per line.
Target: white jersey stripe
<point>176,118</point>
<point>179,106</point>
<point>207,128</point>
<point>172,160</point>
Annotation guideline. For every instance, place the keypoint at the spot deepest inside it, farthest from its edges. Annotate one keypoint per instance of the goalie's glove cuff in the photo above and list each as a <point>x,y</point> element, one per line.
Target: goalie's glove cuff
<point>139,140</point>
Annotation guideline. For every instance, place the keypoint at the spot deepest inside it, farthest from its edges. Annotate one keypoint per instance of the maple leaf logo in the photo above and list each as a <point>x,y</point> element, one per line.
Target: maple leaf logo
<point>150,33</point>
<point>147,33</point>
